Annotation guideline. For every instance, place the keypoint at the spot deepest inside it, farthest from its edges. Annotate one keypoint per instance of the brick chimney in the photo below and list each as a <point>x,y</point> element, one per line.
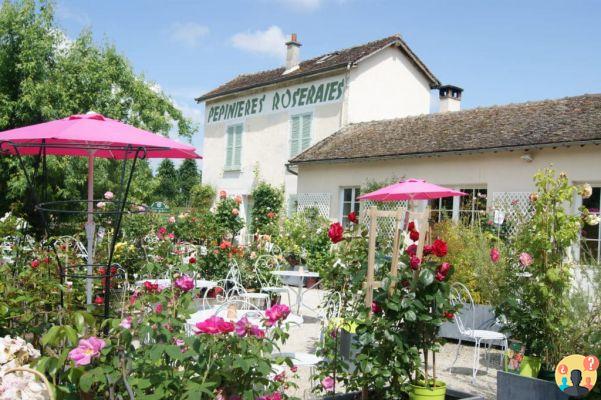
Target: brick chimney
<point>292,53</point>
<point>450,98</point>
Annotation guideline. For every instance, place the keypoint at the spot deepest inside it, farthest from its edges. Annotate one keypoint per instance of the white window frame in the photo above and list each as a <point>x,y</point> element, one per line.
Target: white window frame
<point>300,116</point>
<point>457,201</point>
<point>354,201</point>
<point>578,201</point>
<point>233,167</point>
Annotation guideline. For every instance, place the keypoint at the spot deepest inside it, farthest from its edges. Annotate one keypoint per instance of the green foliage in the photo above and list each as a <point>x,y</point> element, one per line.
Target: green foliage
<point>536,296</point>
<point>202,197</point>
<point>228,215</point>
<point>267,206</point>
<point>469,249</point>
<point>187,178</point>
<point>44,76</point>
<point>167,181</point>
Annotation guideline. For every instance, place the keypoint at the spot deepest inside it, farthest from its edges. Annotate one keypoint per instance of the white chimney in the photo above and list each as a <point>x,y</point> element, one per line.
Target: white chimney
<point>450,98</point>
<point>292,53</point>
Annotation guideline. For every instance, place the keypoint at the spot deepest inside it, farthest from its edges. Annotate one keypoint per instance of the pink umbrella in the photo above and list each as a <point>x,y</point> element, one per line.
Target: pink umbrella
<point>91,135</point>
<point>411,189</point>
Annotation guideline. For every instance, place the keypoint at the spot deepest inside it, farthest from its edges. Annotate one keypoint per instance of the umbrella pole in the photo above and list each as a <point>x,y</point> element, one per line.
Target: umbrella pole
<point>90,228</point>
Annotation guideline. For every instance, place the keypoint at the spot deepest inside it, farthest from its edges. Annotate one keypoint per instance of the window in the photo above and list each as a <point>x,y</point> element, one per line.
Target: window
<point>349,202</point>
<point>300,133</point>
<point>233,147</point>
<point>590,241</point>
<point>442,209</point>
<point>472,206</point>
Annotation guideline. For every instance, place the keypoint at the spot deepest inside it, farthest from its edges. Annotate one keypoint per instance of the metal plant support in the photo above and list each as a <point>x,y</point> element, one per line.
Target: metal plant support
<point>54,212</point>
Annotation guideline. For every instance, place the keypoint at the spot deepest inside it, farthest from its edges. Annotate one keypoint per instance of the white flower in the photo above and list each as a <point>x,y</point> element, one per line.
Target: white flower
<point>172,220</point>
<point>101,204</point>
<point>586,191</point>
<point>6,216</point>
<point>592,219</point>
<point>109,195</point>
<point>22,385</point>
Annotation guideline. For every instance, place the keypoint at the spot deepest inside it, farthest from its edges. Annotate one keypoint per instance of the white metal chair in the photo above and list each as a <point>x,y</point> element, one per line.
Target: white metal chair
<point>270,283</point>
<point>460,294</point>
<point>235,277</point>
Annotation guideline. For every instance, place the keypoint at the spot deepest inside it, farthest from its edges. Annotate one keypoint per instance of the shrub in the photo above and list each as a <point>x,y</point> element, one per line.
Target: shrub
<point>267,206</point>
<point>202,197</point>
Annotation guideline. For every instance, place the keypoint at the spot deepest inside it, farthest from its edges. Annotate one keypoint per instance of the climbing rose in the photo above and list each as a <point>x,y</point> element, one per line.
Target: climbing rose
<point>439,248</point>
<point>109,195</point>
<point>352,217</point>
<point>327,383</point>
<point>428,249</point>
<point>336,232</point>
<point>86,350</point>
<point>184,283</point>
<point>414,263</point>
<point>414,235</point>
<point>526,259</point>
<point>214,326</point>
<point>411,250</point>
<point>494,254</point>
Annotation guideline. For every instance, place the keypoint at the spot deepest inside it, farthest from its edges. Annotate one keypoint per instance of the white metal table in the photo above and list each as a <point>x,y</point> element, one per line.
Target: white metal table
<point>299,292</point>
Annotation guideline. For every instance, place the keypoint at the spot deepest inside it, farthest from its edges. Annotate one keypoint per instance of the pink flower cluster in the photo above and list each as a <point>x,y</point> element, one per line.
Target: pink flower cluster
<point>184,283</point>
<point>245,328</point>
<point>214,326</point>
<point>86,350</point>
<point>526,260</point>
<point>273,396</point>
<point>278,312</point>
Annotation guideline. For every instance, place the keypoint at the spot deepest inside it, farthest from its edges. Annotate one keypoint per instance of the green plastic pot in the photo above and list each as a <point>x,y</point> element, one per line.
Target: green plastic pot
<point>530,366</point>
<point>421,392</point>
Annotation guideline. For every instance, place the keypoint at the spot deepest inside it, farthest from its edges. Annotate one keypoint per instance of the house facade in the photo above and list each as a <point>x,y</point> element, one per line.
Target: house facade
<point>491,153</point>
<point>257,122</point>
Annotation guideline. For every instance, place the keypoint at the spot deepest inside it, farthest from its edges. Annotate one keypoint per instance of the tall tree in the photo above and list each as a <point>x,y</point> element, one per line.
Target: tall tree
<point>187,177</point>
<point>166,182</point>
<point>45,76</point>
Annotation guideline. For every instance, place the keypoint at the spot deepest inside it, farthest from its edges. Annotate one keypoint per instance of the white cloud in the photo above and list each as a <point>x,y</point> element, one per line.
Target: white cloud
<point>302,5</point>
<point>188,33</point>
<point>270,42</point>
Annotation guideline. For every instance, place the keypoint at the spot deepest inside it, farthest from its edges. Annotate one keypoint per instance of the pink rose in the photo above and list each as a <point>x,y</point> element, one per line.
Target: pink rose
<point>276,313</point>
<point>125,323</point>
<point>184,283</point>
<point>526,259</point>
<point>159,308</point>
<point>86,350</point>
<point>238,199</point>
<point>327,383</point>
<point>414,263</point>
<point>171,220</point>
<point>235,212</point>
<point>375,308</point>
<point>101,204</point>
<point>109,195</point>
<point>222,194</point>
<point>495,255</point>
<point>444,268</point>
<point>352,217</point>
<point>214,326</point>
<point>336,232</point>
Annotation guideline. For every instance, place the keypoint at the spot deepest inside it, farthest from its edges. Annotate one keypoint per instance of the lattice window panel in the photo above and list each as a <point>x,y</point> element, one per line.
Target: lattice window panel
<point>385,225</point>
<point>516,206</point>
<point>319,201</point>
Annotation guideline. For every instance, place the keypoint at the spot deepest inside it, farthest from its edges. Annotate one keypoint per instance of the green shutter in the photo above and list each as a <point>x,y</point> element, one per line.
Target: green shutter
<point>294,136</point>
<point>306,133</point>
<point>238,146</point>
<point>229,147</point>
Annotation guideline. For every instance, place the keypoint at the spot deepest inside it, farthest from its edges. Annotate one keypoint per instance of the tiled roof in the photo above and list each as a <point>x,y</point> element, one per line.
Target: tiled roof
<point>569,120</point>
<point>319,64</point>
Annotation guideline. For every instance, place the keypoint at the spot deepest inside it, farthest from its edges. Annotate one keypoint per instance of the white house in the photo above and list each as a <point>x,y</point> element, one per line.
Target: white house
<point>256,122</point>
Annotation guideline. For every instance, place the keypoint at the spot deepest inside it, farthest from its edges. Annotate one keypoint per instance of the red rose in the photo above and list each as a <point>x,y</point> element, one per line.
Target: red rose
<point>444,268</point>
<point>192,260</point>
<point>411,226</point>
<point>440,277</point>
<point>414,235</point>
<point>98,300</point>
<point>270,215</point>
<point>352,217</point>
<point>35,263</point>
<point>375,308</point>
<point>46,260</point>
<point>439,248</point>
<point>411,250</point>
<point>225,245</point>
<point>336,232</point>
<point>414,263</point>
<point>448,315</point>
<point>428,249</point>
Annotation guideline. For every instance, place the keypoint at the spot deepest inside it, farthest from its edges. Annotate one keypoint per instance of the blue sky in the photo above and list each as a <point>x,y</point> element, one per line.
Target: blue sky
<point>498,51</point>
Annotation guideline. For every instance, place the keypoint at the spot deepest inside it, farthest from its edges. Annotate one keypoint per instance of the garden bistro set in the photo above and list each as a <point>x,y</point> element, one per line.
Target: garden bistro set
<point>103,298</point>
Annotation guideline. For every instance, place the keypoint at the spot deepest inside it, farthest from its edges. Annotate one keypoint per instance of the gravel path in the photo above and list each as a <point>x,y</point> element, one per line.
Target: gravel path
<point>304,337</point>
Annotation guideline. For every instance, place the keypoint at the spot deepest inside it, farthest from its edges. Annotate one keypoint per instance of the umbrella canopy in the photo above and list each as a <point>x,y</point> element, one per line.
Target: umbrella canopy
<point>411,189</point>
<point>80,135</point>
